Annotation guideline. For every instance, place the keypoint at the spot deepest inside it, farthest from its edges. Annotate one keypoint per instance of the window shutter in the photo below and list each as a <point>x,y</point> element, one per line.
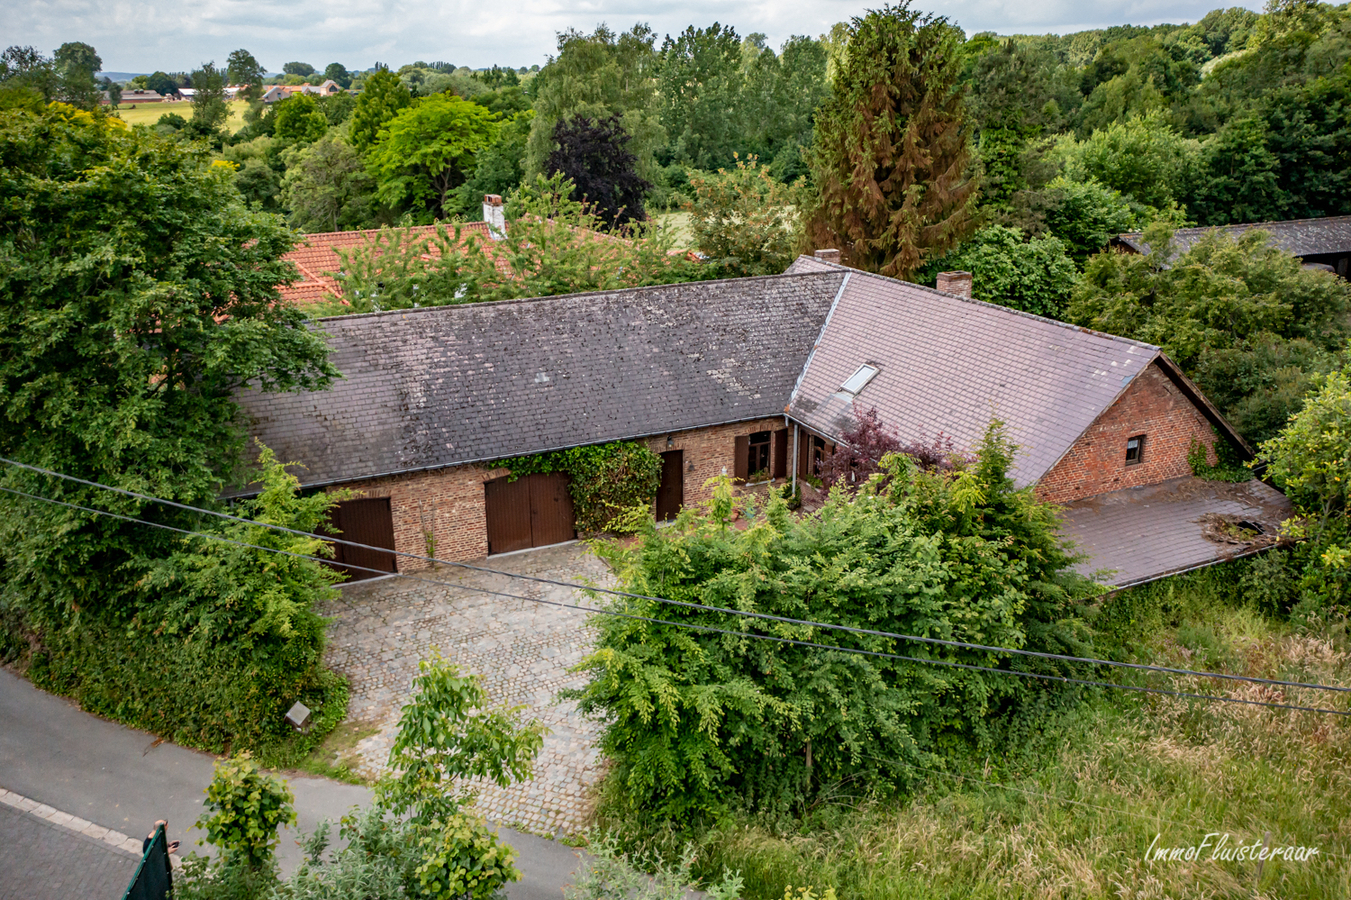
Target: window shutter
<point>804,453</point>
<point>743,457</point>
<point>780,469</point>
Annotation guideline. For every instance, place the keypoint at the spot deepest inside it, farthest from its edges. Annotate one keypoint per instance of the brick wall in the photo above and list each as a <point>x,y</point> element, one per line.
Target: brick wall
<point>1096,464</point>
<point>711,451</point>
<point>449,502</point>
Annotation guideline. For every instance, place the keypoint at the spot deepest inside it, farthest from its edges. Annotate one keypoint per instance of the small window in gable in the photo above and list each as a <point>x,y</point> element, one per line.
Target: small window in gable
<point>859,379</point>
<point>1135,450</point>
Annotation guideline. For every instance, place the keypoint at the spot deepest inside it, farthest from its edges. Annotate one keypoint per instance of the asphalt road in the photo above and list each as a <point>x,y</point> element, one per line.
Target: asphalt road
<point>53,752</point>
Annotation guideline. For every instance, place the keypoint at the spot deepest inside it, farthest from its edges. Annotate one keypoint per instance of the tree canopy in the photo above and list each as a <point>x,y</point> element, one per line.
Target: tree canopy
<point>428,149</point>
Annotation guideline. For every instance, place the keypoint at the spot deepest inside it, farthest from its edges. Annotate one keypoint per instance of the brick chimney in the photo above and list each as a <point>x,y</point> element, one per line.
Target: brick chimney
<point>495,216</point>
<point>830,256</point>
<point>956,283</point>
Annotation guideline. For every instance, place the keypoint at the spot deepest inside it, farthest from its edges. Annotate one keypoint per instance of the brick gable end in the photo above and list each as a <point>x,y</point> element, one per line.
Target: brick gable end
<point>1152,406</point>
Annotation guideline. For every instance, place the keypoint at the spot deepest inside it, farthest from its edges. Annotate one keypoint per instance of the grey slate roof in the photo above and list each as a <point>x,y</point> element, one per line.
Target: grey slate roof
<point>1299,237</point>
<point>951,365</point>
<point>1143,533</point>
<point>442,386</point>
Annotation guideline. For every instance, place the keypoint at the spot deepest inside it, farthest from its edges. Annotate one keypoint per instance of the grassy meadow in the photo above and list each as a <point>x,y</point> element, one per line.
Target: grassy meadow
<point>149,113</point>
<point>1073,813</point>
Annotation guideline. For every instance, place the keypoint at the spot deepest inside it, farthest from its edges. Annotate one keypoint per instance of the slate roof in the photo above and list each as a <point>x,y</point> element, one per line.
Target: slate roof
<point>950,364</point>
<point>443,386</point>
<point>1139,534</point>
<point>316,258</point>
<point>1299,237</point>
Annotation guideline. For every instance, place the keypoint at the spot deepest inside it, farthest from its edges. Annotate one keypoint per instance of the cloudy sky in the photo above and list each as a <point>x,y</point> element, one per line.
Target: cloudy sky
<point>142,37</point>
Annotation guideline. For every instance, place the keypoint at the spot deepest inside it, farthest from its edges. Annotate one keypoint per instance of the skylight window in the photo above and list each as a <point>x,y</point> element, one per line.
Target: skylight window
<point>859,379</point>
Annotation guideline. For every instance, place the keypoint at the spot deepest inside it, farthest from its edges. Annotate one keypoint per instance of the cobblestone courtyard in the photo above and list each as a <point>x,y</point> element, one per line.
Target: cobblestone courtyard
<point>523,650</point>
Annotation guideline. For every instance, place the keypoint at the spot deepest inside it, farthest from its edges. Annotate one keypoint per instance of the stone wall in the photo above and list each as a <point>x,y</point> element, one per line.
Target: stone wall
<point>449,502</point>
<point>1152,406</point>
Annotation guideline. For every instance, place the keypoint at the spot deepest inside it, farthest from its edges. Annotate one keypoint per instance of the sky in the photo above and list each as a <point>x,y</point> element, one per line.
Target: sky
<point>140,37</point>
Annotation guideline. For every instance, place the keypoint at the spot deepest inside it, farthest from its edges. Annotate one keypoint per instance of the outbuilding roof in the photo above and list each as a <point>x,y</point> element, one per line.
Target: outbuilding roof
<point>1299,237</point>
<point>949,364</point>
<point>442,386</point>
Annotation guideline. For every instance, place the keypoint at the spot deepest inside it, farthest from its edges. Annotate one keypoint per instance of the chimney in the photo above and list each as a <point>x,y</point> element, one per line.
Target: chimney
<point>956,283</point>
<point>830,256</point>
<point>495,216</point>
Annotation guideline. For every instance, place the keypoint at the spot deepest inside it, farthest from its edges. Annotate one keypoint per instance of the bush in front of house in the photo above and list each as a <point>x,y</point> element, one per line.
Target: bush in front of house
<point>700,722</point>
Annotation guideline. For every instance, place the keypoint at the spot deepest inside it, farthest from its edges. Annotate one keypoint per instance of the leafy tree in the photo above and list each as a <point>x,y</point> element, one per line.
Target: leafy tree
<point>1144,158</point>
<point>500,168</point>
<point>1085,216</point>
<point>337,72</point>
<point>745,221</point>
<point>327,188</point>
<point>551,247</point>
<point>1034,275</point>
<point>382,96</point>
<point>1242,318</point>
<point>128,321</point>
<point>298,68</point>
<point>162,84</point>
<point>241,68</point>
<point>428,149</point>
<point>891,147</point>
<point>1013,101</point>
<point>113,90</point>
<point>594,156</point>
<point>779,102</point>
<point>696,722</point>
<point>699,82</point>
<point>299,120</point>
<point>209,111</point>
<point>244,809</point>
<point>1235,177</point>
<point>597,76</point>
<point>23,69</point>
<point>76,64</point>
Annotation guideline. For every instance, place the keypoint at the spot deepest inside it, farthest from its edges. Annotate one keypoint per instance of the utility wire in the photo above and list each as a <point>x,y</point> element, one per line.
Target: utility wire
<point>786,620</point>
<point>704,628</point>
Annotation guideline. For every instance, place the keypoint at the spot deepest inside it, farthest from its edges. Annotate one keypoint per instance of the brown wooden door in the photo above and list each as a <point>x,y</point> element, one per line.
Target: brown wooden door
<point>507,509</point>
<point>741,450</point>
<point>364,521</point>
<point>780,467</point>
<point>551,518</point>
<point>671,491</point>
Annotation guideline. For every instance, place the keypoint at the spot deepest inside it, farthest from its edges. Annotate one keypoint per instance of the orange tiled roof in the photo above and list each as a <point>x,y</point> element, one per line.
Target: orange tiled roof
<point>316,258</point>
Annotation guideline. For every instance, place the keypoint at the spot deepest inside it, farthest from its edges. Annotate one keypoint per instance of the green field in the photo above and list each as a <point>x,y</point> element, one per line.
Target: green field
<point>149,113</point>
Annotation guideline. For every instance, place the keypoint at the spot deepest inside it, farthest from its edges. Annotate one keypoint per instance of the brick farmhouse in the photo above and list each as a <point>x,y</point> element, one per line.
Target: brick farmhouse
<point>750,377</point>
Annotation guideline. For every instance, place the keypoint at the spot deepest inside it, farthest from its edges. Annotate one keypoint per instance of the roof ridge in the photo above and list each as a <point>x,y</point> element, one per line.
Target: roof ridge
<point>305,238</point>
<point>1244,225</point>
<point>995,306</point>
<point>578,295</point>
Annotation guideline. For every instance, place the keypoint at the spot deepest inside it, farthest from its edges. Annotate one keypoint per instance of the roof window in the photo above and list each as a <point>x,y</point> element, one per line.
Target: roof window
<point>860,379</point>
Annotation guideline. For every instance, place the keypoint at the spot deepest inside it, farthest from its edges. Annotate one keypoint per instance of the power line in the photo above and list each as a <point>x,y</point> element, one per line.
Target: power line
<point>786,620</point>
<point>704,628</point>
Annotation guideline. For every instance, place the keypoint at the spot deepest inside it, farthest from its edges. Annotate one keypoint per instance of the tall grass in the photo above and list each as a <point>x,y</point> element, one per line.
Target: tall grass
<point>1072,813</point>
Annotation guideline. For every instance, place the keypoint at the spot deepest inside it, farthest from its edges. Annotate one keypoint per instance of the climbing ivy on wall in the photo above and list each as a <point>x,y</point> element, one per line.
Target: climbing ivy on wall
<point>605,480</point>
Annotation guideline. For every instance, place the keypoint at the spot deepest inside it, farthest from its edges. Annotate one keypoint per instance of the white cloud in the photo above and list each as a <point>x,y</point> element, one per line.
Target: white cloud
<point>142,37</point>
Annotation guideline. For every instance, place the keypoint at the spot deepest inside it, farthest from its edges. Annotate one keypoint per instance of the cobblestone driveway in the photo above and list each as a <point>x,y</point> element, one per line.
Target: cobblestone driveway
<point>523,650</point>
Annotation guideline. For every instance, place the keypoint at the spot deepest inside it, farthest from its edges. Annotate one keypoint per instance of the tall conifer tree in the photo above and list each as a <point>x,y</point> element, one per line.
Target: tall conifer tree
<point>892,155</point>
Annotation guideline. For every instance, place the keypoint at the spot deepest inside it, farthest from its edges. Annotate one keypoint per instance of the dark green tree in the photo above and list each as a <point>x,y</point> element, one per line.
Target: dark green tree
<point>244,71</point>
<point>209,110</point>
<point>161,83</point>
<point>76,65</point>
<point>24,70</point>
<point>298,68</point>
<point>327,188</point>
<point>337,72</point>
<point>1034,275</point>
<point>427,150</point>
<point>699,82</point>
<point>381,97</point>
<point>299,120</point>
<point>891,154</point>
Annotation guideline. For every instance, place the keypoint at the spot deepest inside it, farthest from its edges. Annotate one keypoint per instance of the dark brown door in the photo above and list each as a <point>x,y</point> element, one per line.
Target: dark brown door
<point>671,492</point>
<point>507,508</point>
<point>780,469</point>
<point>533,511</point>
<point>551,519</point>
<point>741,450</point>
<point>365,521</point>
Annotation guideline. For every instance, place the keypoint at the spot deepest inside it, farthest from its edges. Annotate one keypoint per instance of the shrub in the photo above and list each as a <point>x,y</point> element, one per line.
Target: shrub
<point>244,809</point>
<point>697,721</point>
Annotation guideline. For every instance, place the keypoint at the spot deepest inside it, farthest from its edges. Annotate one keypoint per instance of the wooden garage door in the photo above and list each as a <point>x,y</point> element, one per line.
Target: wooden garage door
<point>533,511</point>
<point>365,521</point>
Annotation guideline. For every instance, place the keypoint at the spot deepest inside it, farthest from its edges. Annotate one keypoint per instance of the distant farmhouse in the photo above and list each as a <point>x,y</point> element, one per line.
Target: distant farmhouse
<point>281,91</point>
<point>1320,243</point>
<point>755,378</point>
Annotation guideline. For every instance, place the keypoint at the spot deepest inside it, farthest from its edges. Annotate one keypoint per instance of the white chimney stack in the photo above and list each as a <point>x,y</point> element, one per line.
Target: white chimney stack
<point>495,216</point>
